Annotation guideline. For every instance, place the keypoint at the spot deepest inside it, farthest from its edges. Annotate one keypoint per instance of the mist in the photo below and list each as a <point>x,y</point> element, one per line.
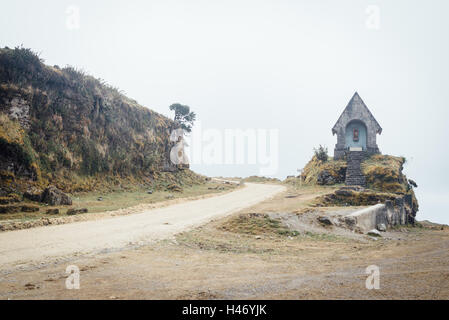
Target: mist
<point>290,66</point>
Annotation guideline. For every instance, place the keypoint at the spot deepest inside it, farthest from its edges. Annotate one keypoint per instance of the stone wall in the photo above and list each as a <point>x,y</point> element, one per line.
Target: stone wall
<point>391,213</point>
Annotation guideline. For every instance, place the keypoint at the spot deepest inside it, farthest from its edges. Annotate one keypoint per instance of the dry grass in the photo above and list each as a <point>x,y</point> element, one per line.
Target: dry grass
<point>256,224</point>
<point>253,231</point>
<point>10,131</point>
<point>336,168</point>
<point>256,221</point>
<point>296,199</point>
<point>384,173</point>
<point>354,198</point>
<point>119,200</point>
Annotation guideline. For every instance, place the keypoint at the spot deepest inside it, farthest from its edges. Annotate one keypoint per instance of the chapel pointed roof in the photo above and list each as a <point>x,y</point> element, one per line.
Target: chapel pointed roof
<point>355,108</point>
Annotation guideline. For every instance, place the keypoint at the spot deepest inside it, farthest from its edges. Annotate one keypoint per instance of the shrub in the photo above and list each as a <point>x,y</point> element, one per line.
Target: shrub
<point>321,153</point>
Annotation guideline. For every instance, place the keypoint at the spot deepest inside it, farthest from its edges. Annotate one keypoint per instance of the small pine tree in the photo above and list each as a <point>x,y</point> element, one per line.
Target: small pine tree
<point>183,116</point>
<point>321,153</point>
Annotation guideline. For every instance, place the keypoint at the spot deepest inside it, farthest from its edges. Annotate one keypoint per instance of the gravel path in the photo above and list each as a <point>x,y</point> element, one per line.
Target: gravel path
<point>39,244</point>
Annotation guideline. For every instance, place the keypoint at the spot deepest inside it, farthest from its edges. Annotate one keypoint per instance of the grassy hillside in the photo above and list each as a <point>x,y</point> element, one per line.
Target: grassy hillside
<point>383,173</point>
<point>60,126</point>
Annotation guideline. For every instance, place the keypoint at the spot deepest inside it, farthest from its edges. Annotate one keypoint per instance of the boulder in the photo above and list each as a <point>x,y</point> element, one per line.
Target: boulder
<point>55,197</point>
<point>374,233</point>
<point>326,221</point>
<point>381,227</point>
<point>325,178</point>
<point>33,194</point>
<point>52,211</point>
<point>72,212</point>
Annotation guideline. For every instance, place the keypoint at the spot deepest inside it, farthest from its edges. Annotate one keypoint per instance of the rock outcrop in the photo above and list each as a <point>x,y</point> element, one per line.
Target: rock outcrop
<point>370,180</point>
<point>55,197</point>
<point>62,127</point>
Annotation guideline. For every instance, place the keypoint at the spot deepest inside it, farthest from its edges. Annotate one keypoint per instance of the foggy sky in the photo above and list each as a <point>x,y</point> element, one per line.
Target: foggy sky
<point>286,65</point>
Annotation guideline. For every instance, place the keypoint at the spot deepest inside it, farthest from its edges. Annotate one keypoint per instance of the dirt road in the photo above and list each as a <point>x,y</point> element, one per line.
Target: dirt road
<point>39,244</point>
<point>209,263</point>
<point>226,258</point>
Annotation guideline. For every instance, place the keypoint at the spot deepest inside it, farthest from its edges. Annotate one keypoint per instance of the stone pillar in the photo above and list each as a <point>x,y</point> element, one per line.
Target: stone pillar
<point>340,152</point>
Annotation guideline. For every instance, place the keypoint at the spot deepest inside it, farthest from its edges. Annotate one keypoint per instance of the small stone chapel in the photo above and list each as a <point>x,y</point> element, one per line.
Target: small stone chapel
<point>356,131</point>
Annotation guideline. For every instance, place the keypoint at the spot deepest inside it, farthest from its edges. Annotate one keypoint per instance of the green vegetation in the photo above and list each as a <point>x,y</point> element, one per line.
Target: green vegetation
<point>183,116</point>
<point>321,153</point>
<point>118,199</point>
<point>61,126</point>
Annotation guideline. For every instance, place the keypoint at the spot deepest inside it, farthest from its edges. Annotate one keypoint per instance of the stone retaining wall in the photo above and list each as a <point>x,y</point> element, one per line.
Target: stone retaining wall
<point>391,213</point>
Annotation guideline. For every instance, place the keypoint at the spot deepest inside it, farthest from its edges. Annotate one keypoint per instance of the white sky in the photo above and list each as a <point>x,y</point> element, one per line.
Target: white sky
<point>286,65</point>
